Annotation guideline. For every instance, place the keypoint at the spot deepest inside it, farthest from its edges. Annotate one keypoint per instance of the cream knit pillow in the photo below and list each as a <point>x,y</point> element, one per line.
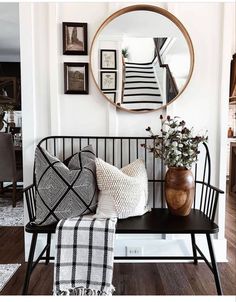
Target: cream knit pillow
<point>123,193</point>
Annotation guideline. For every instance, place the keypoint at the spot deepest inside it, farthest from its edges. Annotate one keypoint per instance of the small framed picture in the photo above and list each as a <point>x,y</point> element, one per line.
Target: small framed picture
<point>8,90</point>
<point>110,95</point>
<point>108,80</point>
<point>76,79</point>
<point>108,59</point>
<point>74,38</point>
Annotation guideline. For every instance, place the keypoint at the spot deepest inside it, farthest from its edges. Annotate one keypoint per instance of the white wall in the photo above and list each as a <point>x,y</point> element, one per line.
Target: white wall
<point>46,110</point>
<point>9,33</point>
<point>141,50</point>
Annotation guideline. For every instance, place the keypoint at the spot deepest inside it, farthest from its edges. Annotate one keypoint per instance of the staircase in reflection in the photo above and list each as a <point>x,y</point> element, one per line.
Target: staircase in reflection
<point>141,87</point>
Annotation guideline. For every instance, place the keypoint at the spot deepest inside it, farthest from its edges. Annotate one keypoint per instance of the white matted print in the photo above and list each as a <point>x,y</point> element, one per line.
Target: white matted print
<point>108,59</point>
<point>108,80</point>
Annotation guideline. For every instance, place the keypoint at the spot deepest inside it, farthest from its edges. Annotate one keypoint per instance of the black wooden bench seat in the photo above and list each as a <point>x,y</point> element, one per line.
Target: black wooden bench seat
<point>160,221</point>
<point>157,221</point>
<point>120,151</point>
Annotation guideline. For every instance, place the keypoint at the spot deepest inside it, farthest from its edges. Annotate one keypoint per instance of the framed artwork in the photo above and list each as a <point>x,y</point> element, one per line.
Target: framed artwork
<point>8,90</point>
<point>75,38</point>
<point>110,95</point>
<point>108,59</point>
<point>10,84</point>
<point>108,80</point>
<point>76,80</point>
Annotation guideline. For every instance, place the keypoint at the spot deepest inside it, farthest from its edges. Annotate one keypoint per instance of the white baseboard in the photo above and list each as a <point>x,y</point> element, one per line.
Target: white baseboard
<point>155,246</point>
<point>152,245</point>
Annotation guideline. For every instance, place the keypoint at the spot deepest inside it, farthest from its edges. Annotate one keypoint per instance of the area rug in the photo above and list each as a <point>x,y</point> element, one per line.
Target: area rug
<point>6,272</point>
<point>10,216</point>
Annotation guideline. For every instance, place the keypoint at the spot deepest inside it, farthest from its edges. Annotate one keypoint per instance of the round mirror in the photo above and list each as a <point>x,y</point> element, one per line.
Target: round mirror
<point>141,58</point>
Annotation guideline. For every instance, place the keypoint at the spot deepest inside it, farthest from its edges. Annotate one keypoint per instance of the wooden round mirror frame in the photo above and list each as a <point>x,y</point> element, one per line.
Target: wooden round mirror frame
<point>160,11</point>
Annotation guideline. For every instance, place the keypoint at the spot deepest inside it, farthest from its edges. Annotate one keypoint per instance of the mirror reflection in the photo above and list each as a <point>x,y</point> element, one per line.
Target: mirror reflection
<point>141,60</point>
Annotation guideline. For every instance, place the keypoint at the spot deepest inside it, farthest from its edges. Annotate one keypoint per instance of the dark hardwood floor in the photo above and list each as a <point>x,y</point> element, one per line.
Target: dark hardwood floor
<point>131,279</point>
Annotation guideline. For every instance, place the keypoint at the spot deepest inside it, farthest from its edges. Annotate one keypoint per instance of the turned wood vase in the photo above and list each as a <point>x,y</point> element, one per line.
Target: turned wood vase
<point>179,190</point>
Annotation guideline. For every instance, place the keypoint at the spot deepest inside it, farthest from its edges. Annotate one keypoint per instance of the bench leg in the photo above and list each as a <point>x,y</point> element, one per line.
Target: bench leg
<point>48,249</point>
<point>194,249</point>
<point>214,265</point>
<point>30,264</point>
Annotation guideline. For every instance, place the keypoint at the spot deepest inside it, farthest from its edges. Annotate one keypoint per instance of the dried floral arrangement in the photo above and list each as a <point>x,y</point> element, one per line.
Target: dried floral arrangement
<point>177,145</point>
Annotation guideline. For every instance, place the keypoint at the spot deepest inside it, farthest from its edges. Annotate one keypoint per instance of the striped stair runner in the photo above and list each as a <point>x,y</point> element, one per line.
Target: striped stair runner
<point>141,87</point>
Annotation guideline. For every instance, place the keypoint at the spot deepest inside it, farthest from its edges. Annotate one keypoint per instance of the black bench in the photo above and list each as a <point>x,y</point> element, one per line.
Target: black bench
<point>120,151</point>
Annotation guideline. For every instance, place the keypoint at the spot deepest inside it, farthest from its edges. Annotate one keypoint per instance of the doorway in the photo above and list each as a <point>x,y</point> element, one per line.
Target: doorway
<point>11,210</point>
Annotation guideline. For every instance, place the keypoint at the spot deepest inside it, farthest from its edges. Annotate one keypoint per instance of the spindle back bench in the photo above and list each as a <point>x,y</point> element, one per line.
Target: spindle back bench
<point>120,151</point>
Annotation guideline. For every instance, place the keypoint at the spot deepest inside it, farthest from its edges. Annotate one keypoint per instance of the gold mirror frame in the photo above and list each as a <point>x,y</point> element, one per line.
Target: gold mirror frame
<point>157,10</point>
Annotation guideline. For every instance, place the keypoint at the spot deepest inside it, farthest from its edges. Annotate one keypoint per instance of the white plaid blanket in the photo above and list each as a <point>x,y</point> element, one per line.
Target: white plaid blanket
<point>84,256</point>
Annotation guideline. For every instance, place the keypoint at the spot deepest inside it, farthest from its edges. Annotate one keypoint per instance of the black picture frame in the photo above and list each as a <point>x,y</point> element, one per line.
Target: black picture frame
<point>111,95</point>
<point>8,94</point>
<point>104,77</point>
<point>74,82</point>
<point>108,59</point>
<point>75,38</point>
<point>10,71</point>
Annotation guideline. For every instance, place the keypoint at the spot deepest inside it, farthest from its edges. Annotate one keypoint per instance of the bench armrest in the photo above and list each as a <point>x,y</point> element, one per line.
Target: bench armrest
<point>29,192</point>
<point>210,186</point>
<point>215,189</point>
<point>28,188</point>
<point>209,197</point>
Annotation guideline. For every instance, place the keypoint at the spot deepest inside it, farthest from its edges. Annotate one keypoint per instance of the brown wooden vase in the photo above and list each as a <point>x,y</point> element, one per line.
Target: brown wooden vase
<point>179,190</point>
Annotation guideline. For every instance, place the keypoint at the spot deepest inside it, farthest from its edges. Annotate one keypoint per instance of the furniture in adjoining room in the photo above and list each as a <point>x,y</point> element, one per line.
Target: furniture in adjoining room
<point>10,168</point>
<point>120,151</point>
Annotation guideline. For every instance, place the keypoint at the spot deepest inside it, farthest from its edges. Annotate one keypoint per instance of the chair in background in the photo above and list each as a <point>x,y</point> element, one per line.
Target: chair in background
<point>14,130</point>
<point>9,172</point>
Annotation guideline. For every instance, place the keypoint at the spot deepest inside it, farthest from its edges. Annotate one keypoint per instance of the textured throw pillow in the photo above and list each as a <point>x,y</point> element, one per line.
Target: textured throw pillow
<point>63,192</point>
<point>123,193</point>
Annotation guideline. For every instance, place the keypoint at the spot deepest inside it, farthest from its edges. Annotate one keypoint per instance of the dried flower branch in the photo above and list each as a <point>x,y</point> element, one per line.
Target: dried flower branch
<point>176,145</point>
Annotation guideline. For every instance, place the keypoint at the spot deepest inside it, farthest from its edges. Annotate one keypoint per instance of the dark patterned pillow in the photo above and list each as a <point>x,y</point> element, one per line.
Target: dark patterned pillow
<point>63,192</point>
